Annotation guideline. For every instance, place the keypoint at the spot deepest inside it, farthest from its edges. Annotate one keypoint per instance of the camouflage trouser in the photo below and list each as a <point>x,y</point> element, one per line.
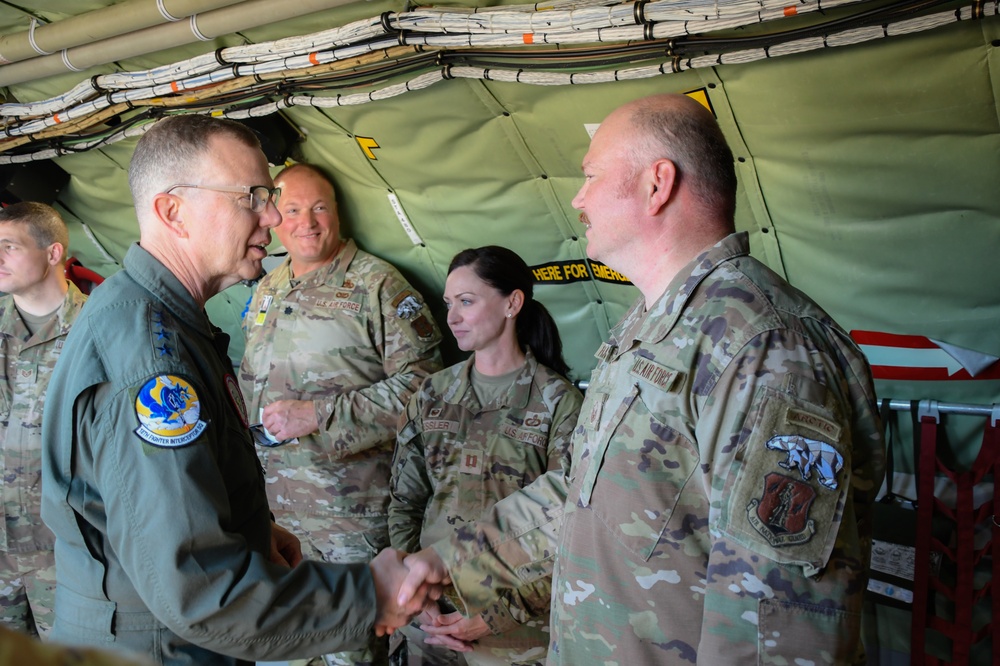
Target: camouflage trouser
<point>27,591</point>
<point>419,653</point>
<point>345,541</point>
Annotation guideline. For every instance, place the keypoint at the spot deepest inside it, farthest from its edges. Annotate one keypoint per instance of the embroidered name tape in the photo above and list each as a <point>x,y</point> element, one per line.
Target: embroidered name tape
<point>656,374</point>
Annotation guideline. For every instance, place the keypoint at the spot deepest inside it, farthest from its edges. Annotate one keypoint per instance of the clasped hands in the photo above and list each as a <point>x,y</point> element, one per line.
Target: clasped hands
<point>410,585</point>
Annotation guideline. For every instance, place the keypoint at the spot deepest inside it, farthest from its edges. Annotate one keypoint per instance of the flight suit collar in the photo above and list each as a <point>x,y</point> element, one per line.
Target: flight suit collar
<point>151,274</point>
<point>461,392</point>
<point>332,274</point>
<point>653,325</point>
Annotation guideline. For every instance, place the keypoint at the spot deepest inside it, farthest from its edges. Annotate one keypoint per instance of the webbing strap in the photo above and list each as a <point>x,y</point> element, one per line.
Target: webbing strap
<point>964,555</point>
<point>926,459</point>
<point>991,441</point>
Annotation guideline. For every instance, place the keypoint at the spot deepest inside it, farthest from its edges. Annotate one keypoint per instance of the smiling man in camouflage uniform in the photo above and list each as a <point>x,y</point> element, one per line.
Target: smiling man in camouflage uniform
<point>337,341</point>
<point>36,313</point>
<point>728,451</point>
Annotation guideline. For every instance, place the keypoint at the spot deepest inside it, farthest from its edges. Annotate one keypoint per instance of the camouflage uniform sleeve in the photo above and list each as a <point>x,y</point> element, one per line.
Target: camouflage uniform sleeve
<point>788,443</point>
<point>513,544</point>
<point>410,487</point>
<point>408,340</point>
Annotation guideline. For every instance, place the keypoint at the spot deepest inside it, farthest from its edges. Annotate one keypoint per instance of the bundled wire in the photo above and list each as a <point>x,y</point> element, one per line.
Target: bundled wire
<point>529,44</point>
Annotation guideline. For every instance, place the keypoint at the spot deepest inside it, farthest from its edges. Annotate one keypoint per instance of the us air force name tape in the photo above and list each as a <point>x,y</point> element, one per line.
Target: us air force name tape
<point>575,270</point>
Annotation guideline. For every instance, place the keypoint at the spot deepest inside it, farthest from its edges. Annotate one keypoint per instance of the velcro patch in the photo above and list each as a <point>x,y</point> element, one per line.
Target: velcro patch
<point>522,435</point>
<point>440,425</point>
<point>236,395</point>
<point>471,462</point>
<point>406,304</point>
<point>786,501</point>
<point>655,373</point>
<point>350,306</point>
<point>169,412</point>
<point>605,351</point>
<point>781,513</point>
<point>807,456</point>
<point>596,409</point>
<point>423,327</point>
<point>265,304</point>
<point>534,420</point>
<point>825,427</point>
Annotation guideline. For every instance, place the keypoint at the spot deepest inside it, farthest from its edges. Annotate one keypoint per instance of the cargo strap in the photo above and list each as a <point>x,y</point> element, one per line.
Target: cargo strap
<point>963,555</point>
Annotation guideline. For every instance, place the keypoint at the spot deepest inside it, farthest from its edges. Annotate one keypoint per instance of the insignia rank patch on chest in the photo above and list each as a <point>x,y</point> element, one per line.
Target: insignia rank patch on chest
<point>169,412</point>
<point>265,303</point>
<point>471,462</point>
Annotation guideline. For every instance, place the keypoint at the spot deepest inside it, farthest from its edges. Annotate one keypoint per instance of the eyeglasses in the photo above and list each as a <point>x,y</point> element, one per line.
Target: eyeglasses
<point>259,194</point>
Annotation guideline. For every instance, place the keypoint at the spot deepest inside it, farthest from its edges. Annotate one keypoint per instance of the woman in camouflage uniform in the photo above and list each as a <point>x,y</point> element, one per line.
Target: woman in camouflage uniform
<point>477,432</point>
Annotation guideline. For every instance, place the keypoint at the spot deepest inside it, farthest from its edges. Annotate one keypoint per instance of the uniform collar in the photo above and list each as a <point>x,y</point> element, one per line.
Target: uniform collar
<point>151,274</point>
<point>461,393</point>
<point>333,273</point>
<point>11,324</point>
<point>653,325</point>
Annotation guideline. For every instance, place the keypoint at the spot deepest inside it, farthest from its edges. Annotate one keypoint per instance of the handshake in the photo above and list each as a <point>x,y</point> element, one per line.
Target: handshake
<point>405,585</point>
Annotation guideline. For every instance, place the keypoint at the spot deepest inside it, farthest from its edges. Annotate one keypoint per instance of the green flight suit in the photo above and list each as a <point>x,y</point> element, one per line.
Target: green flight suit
<point>154,492</point>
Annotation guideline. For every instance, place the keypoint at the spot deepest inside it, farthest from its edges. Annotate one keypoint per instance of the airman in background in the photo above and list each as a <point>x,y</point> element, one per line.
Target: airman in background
<point>36,311</point>
<point>336,343</point>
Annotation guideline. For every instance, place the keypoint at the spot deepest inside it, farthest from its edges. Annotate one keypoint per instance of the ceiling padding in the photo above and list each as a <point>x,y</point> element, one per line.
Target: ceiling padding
<point>867,171</point>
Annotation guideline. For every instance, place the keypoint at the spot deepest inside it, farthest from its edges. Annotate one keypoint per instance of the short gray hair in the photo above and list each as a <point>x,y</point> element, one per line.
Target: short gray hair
<point>172,148</point>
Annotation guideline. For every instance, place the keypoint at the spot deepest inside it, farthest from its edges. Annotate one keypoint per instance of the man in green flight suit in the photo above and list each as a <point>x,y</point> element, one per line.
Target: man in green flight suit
<point>728,452</point>
<point>164,541</point>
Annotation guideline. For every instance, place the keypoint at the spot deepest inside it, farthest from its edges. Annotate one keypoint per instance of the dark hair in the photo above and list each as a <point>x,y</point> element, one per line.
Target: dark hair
<point>505,271</point>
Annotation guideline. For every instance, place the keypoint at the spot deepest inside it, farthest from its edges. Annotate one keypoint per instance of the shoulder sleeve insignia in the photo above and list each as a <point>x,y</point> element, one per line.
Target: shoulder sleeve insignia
<point>808,456</point>
<point>236,395</point>
<point>169,412</point>
<point>407,305</point>
<point>423,328</point>
<point>781,514</point>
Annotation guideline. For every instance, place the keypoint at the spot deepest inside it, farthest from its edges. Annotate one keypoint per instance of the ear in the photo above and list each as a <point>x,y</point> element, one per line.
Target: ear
<point>167,212</point>
<point>55,254</point>
<point>515,301</point>
<point>662,185</point>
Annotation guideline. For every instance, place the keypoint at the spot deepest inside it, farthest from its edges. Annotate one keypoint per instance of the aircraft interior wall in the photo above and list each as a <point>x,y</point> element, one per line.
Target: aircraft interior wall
<point>868,178</point>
